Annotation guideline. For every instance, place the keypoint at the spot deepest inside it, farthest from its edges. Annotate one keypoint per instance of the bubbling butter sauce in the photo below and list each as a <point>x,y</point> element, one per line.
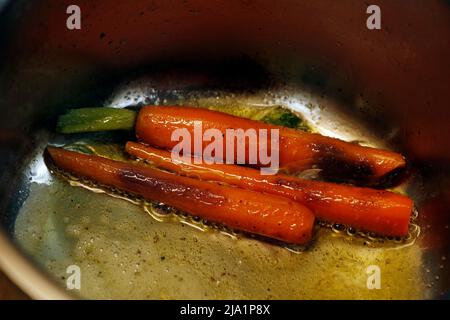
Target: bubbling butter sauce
<point>129,248</point>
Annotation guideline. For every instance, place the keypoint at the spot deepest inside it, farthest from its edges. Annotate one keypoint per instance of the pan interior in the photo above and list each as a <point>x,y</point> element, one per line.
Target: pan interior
<point>123,252</point>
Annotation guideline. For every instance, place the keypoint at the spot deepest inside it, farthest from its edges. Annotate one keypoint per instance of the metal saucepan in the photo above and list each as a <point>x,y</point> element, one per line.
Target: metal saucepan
<point>387,87</point>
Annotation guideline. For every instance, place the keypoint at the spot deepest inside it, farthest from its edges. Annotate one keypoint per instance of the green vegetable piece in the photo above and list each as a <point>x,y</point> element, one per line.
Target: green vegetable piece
<point>276,115</point>
<point>96,119</point>
<point>282,117</point>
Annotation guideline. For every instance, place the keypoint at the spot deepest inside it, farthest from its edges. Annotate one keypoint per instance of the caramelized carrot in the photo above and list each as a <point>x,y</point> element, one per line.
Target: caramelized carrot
<point>297,150</point>
<point>264,214</point>
<point>383,212</point>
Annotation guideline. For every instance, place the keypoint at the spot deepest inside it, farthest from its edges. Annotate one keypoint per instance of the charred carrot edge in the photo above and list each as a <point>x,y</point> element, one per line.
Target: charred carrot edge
<point>383,212</point>
<point>264,214</point>
<point>298,149</point>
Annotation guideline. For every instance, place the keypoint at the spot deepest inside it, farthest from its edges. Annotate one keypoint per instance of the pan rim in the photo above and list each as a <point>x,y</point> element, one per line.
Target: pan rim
<point>26,275</point>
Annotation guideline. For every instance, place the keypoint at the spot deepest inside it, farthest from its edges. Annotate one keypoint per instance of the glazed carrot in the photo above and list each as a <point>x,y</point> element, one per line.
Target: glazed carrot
<point>264,214</point>
<point>379,211</point>
<point>298,150</point>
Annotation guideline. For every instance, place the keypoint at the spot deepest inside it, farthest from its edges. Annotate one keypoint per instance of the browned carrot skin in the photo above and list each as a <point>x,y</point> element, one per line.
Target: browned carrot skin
<point>264,214</point>
<point>298,150</point>
<point>379,211</point>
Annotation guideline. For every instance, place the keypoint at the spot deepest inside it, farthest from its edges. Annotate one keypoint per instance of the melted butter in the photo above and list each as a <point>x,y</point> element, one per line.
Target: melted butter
<point>123,253</point>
